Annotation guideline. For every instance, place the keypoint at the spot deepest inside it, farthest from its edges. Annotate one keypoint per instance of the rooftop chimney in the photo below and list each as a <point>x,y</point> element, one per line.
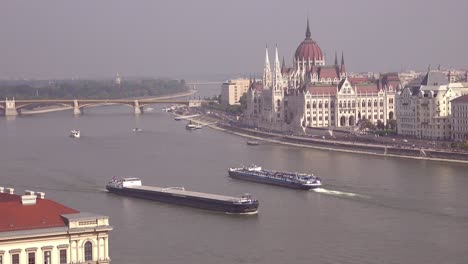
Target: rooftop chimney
<point>40,195</point>
<point>10,190</point>
<point>27,199</point>
<point>28,192</point>
<point>2,189</point>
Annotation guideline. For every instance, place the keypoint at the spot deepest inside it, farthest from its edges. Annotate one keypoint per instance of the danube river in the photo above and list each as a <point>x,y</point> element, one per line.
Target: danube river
<point>371,209</point>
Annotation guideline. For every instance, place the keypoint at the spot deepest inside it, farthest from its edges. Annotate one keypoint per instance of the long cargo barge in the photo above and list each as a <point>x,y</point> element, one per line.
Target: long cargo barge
<point>286,179</point>
<point>178,195</point>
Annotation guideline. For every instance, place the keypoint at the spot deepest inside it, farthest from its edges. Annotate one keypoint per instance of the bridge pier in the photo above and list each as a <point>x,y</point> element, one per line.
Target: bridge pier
<point>138,108</point>
<point>76,108</point>
<point>10,108</point>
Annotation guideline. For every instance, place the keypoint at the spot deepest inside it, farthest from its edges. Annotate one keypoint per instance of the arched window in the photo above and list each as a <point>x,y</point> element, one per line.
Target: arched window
<point>369,103</point>
<point>320,104</point>
<point>314,105</point>
<point>332,104</point>
<point>363,103</point>
<point>341,104</point>
<point>354,104</point>
<point>375,103</point>
<point>326,104</point>
<point>381,102</point>
<point>88,251</point>
<point>278,103</point>
<point>349,104</point>
<point>308,105</point>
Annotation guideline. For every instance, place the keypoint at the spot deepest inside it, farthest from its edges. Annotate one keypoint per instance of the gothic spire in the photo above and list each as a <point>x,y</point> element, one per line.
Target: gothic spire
<point>343,68</point>
<point>267,70</point>
<point>308,30</point>
<point>276,71</point>
<point>283,64</point>
<point>336,58</point>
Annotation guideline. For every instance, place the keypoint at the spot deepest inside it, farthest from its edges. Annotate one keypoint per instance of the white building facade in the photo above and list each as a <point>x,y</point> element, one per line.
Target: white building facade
<point>424,111</point>
<point>37,230</point>
<point>312,94</point>
<point>460,118</point>
<point>232,90</point>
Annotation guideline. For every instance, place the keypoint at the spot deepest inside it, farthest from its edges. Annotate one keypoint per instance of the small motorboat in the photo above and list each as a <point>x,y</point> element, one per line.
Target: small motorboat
<point>136,129</point>
<point>75,133</point>
<point>252,143</point>
<point>192,126</point>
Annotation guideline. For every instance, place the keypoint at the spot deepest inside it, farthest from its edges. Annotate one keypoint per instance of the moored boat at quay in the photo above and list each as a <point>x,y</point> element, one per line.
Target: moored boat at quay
<point>178,195</point>
<point>286,179</point>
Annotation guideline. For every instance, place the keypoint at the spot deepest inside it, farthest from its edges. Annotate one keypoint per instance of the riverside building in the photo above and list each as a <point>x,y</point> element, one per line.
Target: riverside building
<point>313,94</point>
<point>424,110</point>
<point>34,229</point>
<point>232,90</point>
<point>460,118</point>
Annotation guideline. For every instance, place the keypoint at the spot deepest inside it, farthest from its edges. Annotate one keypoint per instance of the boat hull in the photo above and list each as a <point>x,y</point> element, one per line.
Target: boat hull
<point>250,177</point>
<point>197,202</point>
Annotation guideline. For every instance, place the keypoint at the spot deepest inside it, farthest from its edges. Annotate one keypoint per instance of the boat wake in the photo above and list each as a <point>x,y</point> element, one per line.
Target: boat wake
<point>337,193</point>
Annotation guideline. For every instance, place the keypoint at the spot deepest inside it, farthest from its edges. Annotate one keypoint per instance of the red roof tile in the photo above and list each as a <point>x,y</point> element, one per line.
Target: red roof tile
<point>356,80</point>
<point>370,88</point>
<point>322,90</point>
<point>44,214</point>
<point>461,99</point>
<point>328,72</point>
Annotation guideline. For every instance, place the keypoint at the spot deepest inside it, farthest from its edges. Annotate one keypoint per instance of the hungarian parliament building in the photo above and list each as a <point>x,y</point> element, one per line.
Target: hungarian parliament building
<point>313,94</point>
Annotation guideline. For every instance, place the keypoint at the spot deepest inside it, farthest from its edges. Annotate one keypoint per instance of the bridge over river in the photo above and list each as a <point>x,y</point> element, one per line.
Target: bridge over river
<point>13,107</point>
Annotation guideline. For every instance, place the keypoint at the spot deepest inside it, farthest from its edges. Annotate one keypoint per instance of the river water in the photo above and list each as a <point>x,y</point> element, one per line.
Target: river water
<point>371,209</point>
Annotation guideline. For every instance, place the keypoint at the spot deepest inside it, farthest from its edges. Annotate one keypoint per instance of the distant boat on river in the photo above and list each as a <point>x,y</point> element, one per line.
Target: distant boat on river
<point>75,133</point>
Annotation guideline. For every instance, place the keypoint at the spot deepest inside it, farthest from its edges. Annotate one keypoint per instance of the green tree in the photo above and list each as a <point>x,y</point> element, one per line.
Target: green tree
<point>243,101</point>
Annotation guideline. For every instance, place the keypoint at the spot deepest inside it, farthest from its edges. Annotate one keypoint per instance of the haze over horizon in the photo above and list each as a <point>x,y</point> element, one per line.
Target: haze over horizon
<point>95,39</point>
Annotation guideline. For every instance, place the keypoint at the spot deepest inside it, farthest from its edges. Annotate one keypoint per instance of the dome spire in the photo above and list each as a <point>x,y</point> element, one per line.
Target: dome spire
<point>308,30</point>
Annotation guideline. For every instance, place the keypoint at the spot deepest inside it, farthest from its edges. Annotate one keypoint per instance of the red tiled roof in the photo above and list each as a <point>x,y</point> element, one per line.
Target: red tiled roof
<point>356,80</point>
<point>322,90</point>
<point>393,83</point>
<point>44,214</point>
<point>308,50</point>
<point>370,88</point>
<point>461,99</point>
<point>328,72</point>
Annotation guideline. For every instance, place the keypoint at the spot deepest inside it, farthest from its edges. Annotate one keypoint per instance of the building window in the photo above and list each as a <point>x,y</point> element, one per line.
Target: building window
<point>320,104</point>
<point>63,256</point>
<point>15,259</point>
<point>1,259</point>
<point>381,102</point>
<point>369,104</point>
<point>308,105</point>
<point>375,103</point>
<point>47,257</point>
<point>31,258</point>
<point>314,105</point>
<point>363,103</point>
<point>88,251</point>
<point>326,104</point>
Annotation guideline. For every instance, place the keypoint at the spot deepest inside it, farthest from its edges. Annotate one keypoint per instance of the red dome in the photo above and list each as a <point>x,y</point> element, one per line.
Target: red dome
<point>308,49</point>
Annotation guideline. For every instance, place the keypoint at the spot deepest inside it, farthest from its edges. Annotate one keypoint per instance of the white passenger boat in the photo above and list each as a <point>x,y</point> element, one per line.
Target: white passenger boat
<point>75,133</point>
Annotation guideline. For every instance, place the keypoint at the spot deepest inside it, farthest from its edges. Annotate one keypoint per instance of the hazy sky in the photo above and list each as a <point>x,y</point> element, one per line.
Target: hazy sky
<point>97,38</point>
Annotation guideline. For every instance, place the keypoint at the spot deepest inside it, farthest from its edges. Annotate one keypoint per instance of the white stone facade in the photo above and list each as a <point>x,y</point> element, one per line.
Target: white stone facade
<point>232,90</point>
<point>460,118</point>
<point>424,111</point>
<point>312,94</point>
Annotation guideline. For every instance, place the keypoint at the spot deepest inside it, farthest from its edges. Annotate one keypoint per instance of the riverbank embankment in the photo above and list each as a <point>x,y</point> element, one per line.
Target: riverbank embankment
<point>337,145</point>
